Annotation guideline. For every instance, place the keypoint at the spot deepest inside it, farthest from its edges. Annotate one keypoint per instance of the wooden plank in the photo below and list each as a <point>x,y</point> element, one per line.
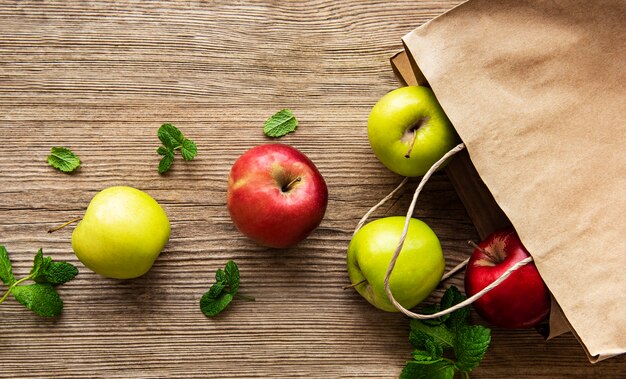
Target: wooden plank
<point>100,77</point>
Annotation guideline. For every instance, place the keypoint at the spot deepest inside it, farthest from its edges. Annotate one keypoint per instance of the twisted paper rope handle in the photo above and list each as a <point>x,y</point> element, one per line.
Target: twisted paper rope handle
<point>396,253</point>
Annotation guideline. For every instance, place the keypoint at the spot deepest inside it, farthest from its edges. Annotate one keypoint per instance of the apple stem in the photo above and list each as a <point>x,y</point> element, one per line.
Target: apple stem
<point>244,297</point>
<point>408,153</point>
<point>484,251</point>
<point>291,183</point>
<point>65,224</point>
<point>355,284</point>
<point>414,128</point>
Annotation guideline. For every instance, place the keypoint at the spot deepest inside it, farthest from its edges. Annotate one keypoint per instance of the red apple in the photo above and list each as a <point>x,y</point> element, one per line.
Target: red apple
<point>522,300</point>
<point>276,196</point>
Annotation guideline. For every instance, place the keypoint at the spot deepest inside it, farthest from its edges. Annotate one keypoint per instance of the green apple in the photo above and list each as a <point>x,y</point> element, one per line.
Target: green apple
<point>409,131</point>
<point>122,233</point>
<point>418,269</point>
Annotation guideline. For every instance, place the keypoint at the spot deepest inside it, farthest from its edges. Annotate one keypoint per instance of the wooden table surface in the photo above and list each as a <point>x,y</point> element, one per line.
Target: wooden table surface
<point>100,77</point>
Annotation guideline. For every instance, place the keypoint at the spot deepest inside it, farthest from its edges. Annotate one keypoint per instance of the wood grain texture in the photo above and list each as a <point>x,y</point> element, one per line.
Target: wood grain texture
<point>100,77</point>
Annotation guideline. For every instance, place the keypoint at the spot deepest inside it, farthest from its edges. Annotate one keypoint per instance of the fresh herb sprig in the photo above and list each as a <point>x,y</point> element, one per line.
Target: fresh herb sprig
<point>63,159</point>
<point>41,296</point>
<point>281,123</point>
<point>172,140</point>
<point>450,333</point>
<point>225,289</point>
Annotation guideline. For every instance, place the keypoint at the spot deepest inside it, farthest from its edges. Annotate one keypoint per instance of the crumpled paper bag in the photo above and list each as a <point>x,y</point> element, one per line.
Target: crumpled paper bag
<point>537,92</point>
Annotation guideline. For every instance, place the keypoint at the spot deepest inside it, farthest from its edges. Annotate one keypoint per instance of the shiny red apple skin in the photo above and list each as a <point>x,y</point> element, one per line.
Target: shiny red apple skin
<point>520,301</point>
<point>261,205</point>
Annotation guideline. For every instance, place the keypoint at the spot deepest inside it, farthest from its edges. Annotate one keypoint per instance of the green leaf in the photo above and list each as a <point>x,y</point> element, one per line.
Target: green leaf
<point>216,289</point>
<point>429,310</point>
<point>212,307</point>
<point>223,291</point>
<point>232,276</point>
<point>40,265</point>
<point>172,139</point>
<point>451,297</point>
<point>170,136</point>
<point>433,338</point>
<point>63,159</point>
<point>59,272</point>
<point>281,123</point>
<point>166,162</point>
<point>220,276</point>
<point>188,150</point>
<point>440,369</point>
<point>6,270</point>
<point>426,343</point>
<point>470,346</point>
<point>457,319</point>
<point>421,355</point>
<point>162,150</point>
<point>40,298</point>
<point>439,334</point>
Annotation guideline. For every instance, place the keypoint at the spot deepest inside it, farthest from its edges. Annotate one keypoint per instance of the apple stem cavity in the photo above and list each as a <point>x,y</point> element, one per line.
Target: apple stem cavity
<point>290,185</point>
<point>355,284</point>
<point>413,129</point>
<point>65,224</point>
<point>496,258</point>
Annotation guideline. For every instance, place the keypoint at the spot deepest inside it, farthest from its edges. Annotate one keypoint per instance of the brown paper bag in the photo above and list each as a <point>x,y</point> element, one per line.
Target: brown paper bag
<point>536,90</point>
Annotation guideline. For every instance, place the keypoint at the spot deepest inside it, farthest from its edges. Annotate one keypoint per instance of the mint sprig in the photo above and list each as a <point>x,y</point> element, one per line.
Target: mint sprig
<point>63,159</point>
<point>281,123</point>
<point>436,339</point>
<point>41,296</point>
<point>223,291</point>
<point>172,140</point>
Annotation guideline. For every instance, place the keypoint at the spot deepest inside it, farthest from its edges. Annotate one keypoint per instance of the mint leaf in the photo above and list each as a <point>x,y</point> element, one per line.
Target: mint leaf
<point>232,276</point>
<point>441,369</point>
<point>439,334</point>
<point>211,307</point>
<point>63,159</point>
<point>40,298</point>
<point>6,270</point>
<point>451,297</point>
<point>220,276</point>
<point>426,343</point>
<point>44,270</point>
<point>457,319</point>
<point>59,272</point>
<point>216,289</point>
<point>166,162</point>
<point>470,346</point>
<point>40,264</point>
<point>421,355</point>
<point>170,136</point>
<point>172,140</point>
<point>432,339</point>
<point>432,309</point>
<point>281,123</point>
<point>162,150</point>
<point>223,291</point>
<point>188,150</point>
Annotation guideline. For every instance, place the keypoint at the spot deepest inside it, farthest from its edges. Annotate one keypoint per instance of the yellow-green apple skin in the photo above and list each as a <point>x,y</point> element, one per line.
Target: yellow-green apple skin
<point>122,233</point>
<point>401,115</point>
<point>418,269</point>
